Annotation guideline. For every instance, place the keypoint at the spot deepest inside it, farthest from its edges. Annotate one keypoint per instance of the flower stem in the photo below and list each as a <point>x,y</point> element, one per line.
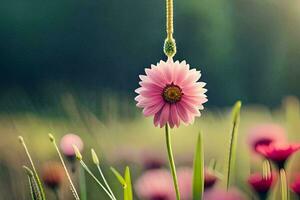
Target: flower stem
<point>72,187</point>
<point>171,161</point>
<point>284,185</point>
<point>82,184</point>
<point>33,167</point>
<point>105,182</point>
<point>94,177</point>
<point>56,193</point>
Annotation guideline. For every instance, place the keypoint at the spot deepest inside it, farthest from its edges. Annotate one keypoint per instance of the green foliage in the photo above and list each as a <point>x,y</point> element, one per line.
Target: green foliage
<point>125,182</point>
<point>119,177</point>
<point>128,189</point>
<point>34,180</point>
<point>33,185</point>
<point>198,176</point>
<point>82,184</point>
<point>233,142</point>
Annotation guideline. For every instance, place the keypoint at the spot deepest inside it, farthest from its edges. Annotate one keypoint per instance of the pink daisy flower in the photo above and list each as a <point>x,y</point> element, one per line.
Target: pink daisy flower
<point>265,134</point>
<point>170,92</point>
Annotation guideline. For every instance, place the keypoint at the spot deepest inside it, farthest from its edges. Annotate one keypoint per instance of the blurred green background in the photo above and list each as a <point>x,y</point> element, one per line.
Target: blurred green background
<point>246,49</point>
<point>72,66</point>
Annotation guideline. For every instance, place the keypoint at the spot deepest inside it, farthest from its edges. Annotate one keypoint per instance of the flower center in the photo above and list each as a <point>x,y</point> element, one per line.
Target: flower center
<point>172,93</point>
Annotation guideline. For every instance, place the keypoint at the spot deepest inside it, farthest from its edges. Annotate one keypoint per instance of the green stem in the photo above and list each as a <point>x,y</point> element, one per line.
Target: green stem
<point>72,187</point>
<point>33,168</point>
<point>284,185</point>
<point>82,183</point>
<point>94,177</point>
<point>171,161</point>
<point>105,182</point>
<point>56,193</point>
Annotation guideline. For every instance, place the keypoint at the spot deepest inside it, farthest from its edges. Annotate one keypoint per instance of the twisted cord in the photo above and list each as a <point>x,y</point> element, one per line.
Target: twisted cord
<point>170,19</point>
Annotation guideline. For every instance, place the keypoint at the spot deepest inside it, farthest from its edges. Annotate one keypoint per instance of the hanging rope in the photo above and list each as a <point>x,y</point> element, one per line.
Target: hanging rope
<point>170,45</point>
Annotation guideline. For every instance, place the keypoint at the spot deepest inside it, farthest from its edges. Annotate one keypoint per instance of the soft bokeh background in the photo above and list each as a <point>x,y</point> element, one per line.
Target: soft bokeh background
<point>72,66</point>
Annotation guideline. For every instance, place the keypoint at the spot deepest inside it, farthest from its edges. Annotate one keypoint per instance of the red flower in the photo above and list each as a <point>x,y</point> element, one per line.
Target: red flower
<point>261,184</point>
<point>278,152</point>
<point>295,185</point>
<point>53,174</point>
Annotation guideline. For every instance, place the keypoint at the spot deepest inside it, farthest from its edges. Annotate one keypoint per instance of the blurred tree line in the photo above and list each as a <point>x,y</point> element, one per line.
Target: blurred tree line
<point>246,49</point>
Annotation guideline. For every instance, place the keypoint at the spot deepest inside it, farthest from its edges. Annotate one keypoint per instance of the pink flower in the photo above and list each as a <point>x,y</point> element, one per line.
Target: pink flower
<point>170,92</point>
<point>53,174</point>
<point>210,179</point>
<point>295,185</point>
<point>278,152</point>
<point>265,134</point>
<point>155,184</point>
<point>151,160</point>
<point>261,184</point>
<point>67,142</point>
<point>220,194</point>
<point>185,179</point>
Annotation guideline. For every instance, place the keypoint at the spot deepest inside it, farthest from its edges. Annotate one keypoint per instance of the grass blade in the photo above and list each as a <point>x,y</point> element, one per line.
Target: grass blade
<point>119,177</point>
<point>34,172</point>
<point>82,184</point>
<point>233,142</point>
<point>198,176</point>
<point>33,185</point>
<point>128,189</point>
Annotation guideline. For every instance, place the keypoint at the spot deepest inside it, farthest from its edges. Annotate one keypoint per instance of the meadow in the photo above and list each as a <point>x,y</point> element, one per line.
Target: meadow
<point>133,141</point>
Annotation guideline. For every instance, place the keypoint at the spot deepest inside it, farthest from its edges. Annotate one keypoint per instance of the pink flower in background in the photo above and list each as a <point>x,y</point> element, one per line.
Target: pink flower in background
<point>278,152</point>
<point>53,174</point>
<point>261,184</point>
<point>295,185</point>
<point>67,142</point>
<point>155,184</point>
<point>210,179</point>
<point>265,134</point>
<point>151,160</point>
<point>185,179</point>
<point>170,92</point>
<point>221,194</point>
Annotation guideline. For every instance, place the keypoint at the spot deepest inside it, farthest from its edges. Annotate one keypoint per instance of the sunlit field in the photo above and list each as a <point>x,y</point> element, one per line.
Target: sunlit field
<point>136,143</point>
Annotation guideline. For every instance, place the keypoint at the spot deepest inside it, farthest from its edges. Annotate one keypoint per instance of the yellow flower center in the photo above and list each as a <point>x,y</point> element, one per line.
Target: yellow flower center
<point>172,93</point>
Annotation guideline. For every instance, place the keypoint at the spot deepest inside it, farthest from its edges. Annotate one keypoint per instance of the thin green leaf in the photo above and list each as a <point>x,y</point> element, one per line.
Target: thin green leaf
<point>233,142</point>
<point>119,177</point>
<point>82,184</point>
<point>33,185</point>
<point>128,189</point>
<point>284,186</point>
<point>34,172</point>
<point>198,177</point>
